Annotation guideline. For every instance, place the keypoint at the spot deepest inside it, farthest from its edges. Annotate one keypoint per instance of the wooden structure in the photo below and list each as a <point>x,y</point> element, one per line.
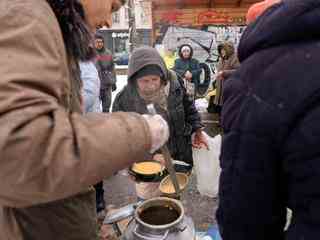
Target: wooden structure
<point>205,3</point>
<point>199,13</point>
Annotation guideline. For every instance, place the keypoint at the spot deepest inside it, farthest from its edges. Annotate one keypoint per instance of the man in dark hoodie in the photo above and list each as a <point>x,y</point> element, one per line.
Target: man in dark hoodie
<point>188,69</point>
<point>270,151</point>
<point>107,73</point>
<point>164,89</point>
<point>149,81</point>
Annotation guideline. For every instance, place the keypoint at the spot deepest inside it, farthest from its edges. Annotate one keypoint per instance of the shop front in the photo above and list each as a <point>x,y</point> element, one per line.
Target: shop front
<point>117,41</point>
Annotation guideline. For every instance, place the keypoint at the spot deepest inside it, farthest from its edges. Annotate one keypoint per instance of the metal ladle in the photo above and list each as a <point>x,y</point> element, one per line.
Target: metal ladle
<point>167,157</point>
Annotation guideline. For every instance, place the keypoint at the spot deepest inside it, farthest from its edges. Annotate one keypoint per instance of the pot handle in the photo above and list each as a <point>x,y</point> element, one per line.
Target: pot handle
<point>148,238</point>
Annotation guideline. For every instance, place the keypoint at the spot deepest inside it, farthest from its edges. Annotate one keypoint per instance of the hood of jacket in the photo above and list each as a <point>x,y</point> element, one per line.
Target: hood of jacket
<point>287,22</point>
<point>180,50</point>
<point>258,8</point>
<point>228,47</point>
<point>143,57</point>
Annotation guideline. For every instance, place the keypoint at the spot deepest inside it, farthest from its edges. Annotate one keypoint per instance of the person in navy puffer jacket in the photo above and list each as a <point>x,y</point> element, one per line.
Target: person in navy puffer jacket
<point>271,119</point>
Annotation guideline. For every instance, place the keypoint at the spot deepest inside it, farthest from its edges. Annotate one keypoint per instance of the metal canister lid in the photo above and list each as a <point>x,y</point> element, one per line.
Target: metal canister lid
<point>120,214</point>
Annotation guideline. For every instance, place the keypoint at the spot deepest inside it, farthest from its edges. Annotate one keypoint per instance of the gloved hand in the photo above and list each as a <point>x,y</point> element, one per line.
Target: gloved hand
<point>159,131</point>
<point>114,87</point>
<point>159,158</point>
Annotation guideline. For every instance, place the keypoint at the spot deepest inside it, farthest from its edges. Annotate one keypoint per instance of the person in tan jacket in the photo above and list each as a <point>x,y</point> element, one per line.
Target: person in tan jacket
<point>50,153</point>
<point>227,65</point>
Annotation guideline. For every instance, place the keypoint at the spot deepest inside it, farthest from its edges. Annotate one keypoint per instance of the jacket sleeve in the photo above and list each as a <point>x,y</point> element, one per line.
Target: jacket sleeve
<point>197,70</point>
<point>113,72</point>
<point>117,105</point>
<point>47,153</point>
<point>91,86</point>
<point>235,62</point>
<point>99,69</point>
<point>227,73</point>
<point>192,115</point>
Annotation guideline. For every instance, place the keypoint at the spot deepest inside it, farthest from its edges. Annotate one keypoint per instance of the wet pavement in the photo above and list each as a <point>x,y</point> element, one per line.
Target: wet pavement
<point>120,191</point>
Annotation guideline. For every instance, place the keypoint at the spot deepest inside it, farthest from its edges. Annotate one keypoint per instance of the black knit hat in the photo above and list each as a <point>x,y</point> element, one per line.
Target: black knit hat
<point>148,70</point>
<point>98,35</point>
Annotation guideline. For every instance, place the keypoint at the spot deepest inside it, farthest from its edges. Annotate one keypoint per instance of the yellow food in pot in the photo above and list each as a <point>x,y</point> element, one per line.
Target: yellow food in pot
<point>147,168</point>
<point>167,187</point>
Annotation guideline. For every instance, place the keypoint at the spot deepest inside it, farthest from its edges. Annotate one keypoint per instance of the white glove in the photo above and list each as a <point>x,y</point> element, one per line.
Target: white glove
<point>159,131</point>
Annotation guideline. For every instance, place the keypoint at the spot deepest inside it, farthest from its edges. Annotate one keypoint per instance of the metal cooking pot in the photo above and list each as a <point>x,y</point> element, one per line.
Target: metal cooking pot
<point>159,225</point>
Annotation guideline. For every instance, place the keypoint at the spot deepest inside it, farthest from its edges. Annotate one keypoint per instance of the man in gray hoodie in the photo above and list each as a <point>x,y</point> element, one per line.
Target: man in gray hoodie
<point>149,81</point>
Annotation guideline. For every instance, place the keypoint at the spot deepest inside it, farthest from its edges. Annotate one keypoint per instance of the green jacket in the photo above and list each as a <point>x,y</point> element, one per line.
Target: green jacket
<point>181,66</point>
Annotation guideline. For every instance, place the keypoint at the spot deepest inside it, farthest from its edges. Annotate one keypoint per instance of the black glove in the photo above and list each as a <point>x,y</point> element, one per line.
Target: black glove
<point>114,87</point>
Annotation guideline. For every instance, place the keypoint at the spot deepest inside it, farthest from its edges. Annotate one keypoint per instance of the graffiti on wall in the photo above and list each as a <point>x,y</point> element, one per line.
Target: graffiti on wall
<point>227,33</point>
<point>203,29</point>
<point>204,42</point>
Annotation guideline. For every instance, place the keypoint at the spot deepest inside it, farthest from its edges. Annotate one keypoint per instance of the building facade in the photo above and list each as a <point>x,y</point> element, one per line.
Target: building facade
<point>117,37</point>
<point>203,24</point>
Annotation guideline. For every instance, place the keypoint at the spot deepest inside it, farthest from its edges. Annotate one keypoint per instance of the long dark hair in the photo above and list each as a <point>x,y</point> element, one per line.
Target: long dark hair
<point>75,31</point>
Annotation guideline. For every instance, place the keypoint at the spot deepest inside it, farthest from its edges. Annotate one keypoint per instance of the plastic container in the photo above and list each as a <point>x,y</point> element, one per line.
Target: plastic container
<point>207,167</point>
<point>207,238</point>
<point>213,233</point>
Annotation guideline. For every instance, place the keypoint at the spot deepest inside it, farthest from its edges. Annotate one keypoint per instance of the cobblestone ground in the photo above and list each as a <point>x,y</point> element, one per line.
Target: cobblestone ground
<point>119,191</point>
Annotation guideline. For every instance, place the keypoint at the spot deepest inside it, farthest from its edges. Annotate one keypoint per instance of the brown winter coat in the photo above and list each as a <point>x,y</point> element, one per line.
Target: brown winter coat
<point>227,66</point>
<point>48,153</point>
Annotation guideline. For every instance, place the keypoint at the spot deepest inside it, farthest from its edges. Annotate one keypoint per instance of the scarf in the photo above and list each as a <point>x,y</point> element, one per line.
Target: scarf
<point>159,98</point>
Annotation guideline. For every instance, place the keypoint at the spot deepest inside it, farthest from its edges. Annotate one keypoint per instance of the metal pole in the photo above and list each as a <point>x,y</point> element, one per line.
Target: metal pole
<point>132,26</point>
